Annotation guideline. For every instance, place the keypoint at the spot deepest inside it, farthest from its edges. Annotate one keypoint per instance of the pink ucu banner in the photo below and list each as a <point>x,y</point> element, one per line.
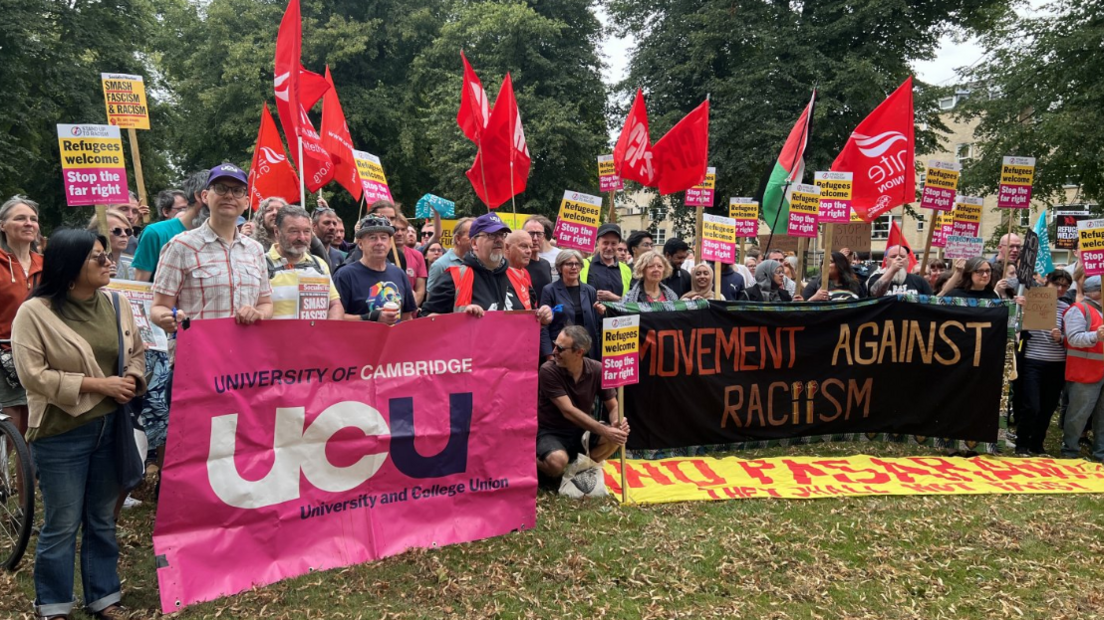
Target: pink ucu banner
<point>308,445</point>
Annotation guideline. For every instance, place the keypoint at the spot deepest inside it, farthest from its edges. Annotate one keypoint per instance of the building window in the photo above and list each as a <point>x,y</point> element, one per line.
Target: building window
<point>661,236</point>
<point>920,222</point>
<point>1025,217</point>
<point>947,103</point>
<point>657,214</point>
<point>880,227</point>
<point>964,151</point>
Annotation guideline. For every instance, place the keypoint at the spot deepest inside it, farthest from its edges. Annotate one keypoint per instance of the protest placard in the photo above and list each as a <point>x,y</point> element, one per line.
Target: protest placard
<point>719,239</point>
<point>371,177</point>
<point>967,216</point>
<point>578,221</point>
<point>702,195</point>
<point>854,236</point>
<point>1091,234</point>
<point>430,203</point>
<point>1066,225</point>
<point>835,196</point>
<point>785,243</point>
<point>940,186</point>
<point>125,98</point>
<point>1040,310</point>
<point>620,351</point>
<point>944,226</point>
<point>746,213</point>
<point>608,181</point>
<point>804,208</point>
<point>964,247</point>
<point>140,296</point>
<point>1017,174</point>
<point>314,297</point>
<point>92,165</point>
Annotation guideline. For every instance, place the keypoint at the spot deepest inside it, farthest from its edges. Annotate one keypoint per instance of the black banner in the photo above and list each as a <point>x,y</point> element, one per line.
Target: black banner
<point>737,372</point>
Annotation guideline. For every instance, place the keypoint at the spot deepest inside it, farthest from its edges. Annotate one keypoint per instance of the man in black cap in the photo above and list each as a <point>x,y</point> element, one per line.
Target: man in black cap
<point>603,271</point>
<point>482,282</point>
<point>676,250</point>
<point>640,242</point>
<point>372,289</point>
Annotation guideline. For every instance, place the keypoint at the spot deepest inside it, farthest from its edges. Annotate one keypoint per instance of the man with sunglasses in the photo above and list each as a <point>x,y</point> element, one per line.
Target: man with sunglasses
<point>482,283</point>
<point>214,272</point>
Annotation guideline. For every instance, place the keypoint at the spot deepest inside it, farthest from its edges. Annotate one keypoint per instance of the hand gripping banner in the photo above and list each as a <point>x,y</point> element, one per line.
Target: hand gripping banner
<point>308,445</point>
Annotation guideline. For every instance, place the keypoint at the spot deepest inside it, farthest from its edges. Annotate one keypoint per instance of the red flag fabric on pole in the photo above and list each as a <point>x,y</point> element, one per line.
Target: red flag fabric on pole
<point>501,169</point>
<point>682,155</point>
<point>270,174</point>
<point>896,238</point>
<point>880,153</point>
<point>292,90</point>
<point>633,158</point>
<point>475,109</point>
<point>337,141</point>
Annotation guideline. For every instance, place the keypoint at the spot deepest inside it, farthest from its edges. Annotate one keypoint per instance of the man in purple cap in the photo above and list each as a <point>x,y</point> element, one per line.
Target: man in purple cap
<point>482,283</point>
<point>214,271</point>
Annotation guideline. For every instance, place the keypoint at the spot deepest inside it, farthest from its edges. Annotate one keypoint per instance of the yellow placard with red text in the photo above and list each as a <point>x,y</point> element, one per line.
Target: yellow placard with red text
<point>706,478</point>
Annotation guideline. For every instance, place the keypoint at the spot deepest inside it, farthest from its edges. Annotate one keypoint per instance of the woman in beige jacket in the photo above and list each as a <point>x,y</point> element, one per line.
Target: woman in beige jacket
<point>66,347</point>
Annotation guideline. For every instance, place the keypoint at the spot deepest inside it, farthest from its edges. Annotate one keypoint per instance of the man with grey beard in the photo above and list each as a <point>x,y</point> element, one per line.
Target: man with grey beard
<point>288,259</point>
<point>482,282</point>
<point>894,278</point>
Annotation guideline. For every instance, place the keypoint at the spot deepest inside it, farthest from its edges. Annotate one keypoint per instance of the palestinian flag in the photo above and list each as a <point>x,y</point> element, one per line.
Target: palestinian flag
<point>788,170</point>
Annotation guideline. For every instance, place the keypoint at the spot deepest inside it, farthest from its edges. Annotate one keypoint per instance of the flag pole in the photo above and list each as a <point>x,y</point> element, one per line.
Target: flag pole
<point>513,203</point>
<point>789,181</point>
<point>302,178</point>
<point>483,174</point>
<point>932,221</point>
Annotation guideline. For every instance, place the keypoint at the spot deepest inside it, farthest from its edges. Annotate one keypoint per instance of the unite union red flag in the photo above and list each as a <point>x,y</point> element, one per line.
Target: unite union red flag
<point>338,142</point>
<point>880,153</point>
<point>682,155</point>
<point>633,158</point>
<point>270,174</point>
<point>475,110</point>
<point>501,168</point>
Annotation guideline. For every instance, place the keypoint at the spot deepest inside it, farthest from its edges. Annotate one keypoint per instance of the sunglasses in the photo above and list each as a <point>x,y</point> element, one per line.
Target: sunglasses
<point>119,232</point>
<point>427,234</point>
<point>102,259</point>
<point>559,349</point>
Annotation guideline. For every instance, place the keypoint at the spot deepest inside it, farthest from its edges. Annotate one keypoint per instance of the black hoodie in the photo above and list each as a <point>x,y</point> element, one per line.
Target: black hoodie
<point>491,290</point>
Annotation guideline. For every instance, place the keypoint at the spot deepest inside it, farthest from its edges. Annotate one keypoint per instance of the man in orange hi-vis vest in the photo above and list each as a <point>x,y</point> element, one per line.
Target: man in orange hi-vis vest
<point>1085,371</point>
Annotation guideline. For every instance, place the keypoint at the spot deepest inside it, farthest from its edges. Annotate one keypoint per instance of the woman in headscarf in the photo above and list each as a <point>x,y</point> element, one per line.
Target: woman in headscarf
<point>702,279</point>
<point>769,283</point>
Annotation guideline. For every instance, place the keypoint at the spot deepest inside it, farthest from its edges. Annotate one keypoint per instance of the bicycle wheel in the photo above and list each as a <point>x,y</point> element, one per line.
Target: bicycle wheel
<point>16,495</point>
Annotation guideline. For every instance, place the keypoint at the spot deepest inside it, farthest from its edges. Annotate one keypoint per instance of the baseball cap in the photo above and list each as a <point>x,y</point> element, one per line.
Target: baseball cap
<point>226,171</point>
<point>374,223</point>
<point>1092,283</point>
<point>606,229</point>
<point>487,223</point>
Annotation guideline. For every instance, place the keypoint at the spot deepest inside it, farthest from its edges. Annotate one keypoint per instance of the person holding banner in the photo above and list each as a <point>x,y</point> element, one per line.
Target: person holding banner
<point>372,289</point>
<point>650,269</point>
<point>23,265</point>
<point>567,387</point>
<point>461,245</point>
<point>70,341</point>
<point>577,302</point>
<point>842,283</point>
<point>770,284</point>
<point>289,258</point>
<point>1084,372</point>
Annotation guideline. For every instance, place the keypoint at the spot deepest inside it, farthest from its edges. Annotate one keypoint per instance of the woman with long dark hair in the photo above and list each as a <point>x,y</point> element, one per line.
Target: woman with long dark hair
<point>842,283</point>
<point>971,278</point>
<point>66,340</point>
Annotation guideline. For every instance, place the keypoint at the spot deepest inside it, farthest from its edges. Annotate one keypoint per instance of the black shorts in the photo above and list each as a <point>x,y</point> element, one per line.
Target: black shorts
<point>568,440</point>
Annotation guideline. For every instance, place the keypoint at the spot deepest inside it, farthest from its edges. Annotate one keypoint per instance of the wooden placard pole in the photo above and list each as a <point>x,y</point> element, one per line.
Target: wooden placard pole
<point>828,228</point>
<point>613,209</point>
<point>1004,263</point>
<point>698,226</point>
<point>802,247</point>
<point>933,219</point>
<point>101,223</point>
<point>621,406</point>
<point>716,279</point>
<point>139,178</point>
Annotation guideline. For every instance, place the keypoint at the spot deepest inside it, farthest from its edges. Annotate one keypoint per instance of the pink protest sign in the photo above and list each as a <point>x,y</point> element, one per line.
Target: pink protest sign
<point>608,181</point>
<point>578,221</point>
<point>835,197</point>
<point>387,439</point>
<point>372,178</point>
<point>1017,174</point>
<point>940,186</point>
<point>620,351</point>
<point>944,227</point>
<point>719,239</point>
<point>92,165</point>
<point>967,216</point>
<point>804,208</point>
<point>702,195</point>
<point>1091,240</point>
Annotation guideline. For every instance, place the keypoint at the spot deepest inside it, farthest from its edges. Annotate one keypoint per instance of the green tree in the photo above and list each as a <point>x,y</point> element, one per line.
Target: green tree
<point>1038,94</point>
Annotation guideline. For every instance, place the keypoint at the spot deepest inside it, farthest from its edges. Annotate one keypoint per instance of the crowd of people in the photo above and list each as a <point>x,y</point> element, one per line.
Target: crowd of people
<point>75,354</point>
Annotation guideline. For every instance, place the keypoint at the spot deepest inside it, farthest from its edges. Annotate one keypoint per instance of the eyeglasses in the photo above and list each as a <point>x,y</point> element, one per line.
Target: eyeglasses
<point>647,245</point>
<point>572,265</point>
<point>119,232</point>
<point>984,272</point>
<point>497,235</point>
<point>102,259</point>
<point>237,191</point>
<point>1015,246</point>
<point>536,234</point>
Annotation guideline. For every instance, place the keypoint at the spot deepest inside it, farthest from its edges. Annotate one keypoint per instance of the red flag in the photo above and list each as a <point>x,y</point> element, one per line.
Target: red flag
<point>336,140</point>
<point>682,155</point>
<point>270,174</point>
<point>475,110</point>
<point>880,152</point>
<point>501,169</point>
<point>896,238</point>
<point>292,91</point>
<point>632,157</point>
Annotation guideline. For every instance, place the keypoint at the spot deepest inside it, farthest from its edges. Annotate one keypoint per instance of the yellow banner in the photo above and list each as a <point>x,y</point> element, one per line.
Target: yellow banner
<point>710,181</point>
<point>706,478</point>
<point>1090,233</point>
<point>944,218</point>
<point>125,99</point>
<point>371,170</point>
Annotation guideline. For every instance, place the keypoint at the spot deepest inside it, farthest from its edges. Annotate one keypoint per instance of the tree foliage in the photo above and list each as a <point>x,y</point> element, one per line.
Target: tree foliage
<point>1038,93</point>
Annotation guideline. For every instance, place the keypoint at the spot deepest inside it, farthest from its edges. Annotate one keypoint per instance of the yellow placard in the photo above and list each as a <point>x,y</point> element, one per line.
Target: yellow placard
<point>125,100</point>
<point>834,185</point>
<point>944,218</point>
<point>579,208</point>
<point>743,210</point>
<point>514,221</point>
<point>1091,235</point>
<point>855,217</point>
<point>803,477</point>
<point>371,170</point>
<point>1017,171</point>
<point>967,212</point>
<point>941,178</point>
<point>91,153</point>
<point>710,181</point>
<point>805,202</point>
<point>620,341</point>
<point>606,167</point>
<point>719,231</point>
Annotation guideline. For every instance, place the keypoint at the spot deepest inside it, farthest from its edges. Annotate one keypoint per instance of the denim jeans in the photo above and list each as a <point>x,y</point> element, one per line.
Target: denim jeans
<point>76,473</point>
<point>1086,402</point>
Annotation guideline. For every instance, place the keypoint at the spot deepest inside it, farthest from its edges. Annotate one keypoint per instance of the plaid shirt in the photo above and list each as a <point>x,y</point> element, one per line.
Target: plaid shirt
<point>209,278</point>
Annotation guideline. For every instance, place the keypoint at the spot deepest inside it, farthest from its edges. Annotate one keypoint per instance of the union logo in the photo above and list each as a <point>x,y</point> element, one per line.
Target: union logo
<point>875,146</point>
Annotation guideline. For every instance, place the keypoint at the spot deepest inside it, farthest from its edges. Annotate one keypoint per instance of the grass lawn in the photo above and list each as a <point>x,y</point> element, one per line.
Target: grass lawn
<point>990,556</point>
